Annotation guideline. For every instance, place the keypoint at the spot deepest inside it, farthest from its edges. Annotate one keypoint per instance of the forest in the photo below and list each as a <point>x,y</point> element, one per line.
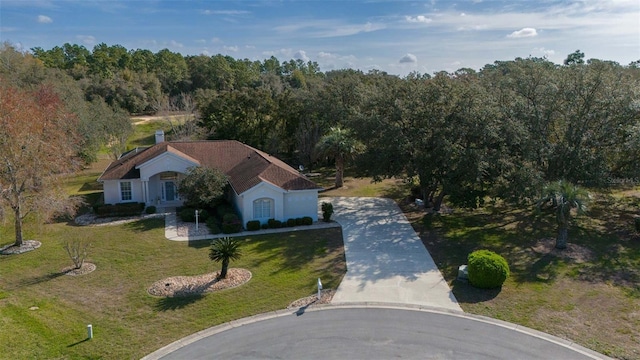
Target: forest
<point>500,132</point>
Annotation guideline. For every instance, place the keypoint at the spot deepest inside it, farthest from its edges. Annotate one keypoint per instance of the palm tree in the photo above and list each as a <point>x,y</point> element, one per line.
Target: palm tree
<point>564,197</point>
<point>224,250</point>
<point>339,144</point>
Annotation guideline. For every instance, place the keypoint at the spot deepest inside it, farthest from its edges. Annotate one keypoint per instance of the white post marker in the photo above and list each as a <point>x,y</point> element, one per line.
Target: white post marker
<point>319,289</point>
<point>89,332</point>
<point>196,220</point>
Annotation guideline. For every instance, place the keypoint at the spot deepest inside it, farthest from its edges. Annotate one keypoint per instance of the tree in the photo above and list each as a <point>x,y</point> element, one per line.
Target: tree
<point>576,57</point>
<point>224,250</point>
<point>38,146</point>
<point>340,145</point>
<point>202,186</point>
<point>564,197</point>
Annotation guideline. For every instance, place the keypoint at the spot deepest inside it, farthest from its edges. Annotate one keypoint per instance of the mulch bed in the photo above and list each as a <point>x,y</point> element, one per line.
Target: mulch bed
<point>197,285</point>
<point>86,268</point>
<point>27,245</point>
<point>325,298</point>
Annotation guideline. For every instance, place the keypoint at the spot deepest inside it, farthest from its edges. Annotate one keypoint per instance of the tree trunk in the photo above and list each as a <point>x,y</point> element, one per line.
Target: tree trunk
<point>18,226</point>
<point>563,235</point>
<point>438,201</point>
<point>339,172</point>
<point>225,266</point>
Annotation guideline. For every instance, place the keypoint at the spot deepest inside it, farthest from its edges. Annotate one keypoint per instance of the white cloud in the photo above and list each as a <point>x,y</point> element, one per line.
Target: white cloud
<point>418,19</point>
<point>326,55</point>
<point>302,55</point>
<point>42,19</point>
<point>409,58</point>
<point>230,48</point>
<point>201,41</point>
<point>522,33</point>
<point>545,52</point>
<point>86,39</point>
<point>205,53</point>
<point>216,40</point>
<point>175,44</point>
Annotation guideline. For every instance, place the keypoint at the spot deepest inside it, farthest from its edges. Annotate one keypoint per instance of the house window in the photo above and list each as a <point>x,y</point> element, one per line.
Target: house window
<point>125,191</point>
<point>262,209</point>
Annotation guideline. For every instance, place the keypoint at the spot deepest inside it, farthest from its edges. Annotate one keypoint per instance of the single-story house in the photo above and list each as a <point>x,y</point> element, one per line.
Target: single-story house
<point>262,186</point>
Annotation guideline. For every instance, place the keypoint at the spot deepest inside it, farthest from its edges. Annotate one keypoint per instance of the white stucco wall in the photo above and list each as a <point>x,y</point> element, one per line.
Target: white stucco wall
<point>112,191</point>
<point>165,162</point>
<point>301,203</point>
<point>262,190</point>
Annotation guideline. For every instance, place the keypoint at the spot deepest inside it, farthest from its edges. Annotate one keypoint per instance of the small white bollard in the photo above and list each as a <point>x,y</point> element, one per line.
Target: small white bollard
<point>319,289</point>
<point>89,332</point>
<point>196,220</point>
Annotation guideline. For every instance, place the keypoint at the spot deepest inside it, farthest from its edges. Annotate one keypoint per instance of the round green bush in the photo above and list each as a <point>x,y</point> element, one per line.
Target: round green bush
<point>487,270</point>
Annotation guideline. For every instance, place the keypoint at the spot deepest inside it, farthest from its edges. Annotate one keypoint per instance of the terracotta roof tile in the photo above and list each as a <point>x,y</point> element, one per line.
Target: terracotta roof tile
<point>245,166</point>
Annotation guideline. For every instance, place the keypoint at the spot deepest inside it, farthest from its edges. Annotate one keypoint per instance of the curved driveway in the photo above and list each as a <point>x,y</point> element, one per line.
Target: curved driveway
<point>352,332</point>
<point>386,260</point>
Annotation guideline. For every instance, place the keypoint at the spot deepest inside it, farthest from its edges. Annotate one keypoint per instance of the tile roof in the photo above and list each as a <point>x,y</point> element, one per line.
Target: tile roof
<point>244,165</point>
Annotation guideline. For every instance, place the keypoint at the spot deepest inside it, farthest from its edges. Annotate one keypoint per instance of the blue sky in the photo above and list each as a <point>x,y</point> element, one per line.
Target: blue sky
<point>393,36</point>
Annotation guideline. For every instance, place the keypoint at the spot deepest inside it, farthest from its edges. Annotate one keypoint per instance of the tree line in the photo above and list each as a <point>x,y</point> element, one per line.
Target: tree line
<point>499,132</point>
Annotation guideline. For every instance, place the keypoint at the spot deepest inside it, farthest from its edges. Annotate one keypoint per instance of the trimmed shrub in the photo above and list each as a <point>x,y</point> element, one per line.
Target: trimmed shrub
<point>150,209</point>
<point>187,214</point>
<point>253,225</point>
<point>264,226</point>
<point>213,226</point>
<point>223,209</point>
<point>636,222</point>
<point>307,220</point>
<point>487,270</point>
<point>291,222</point>
<point>203,215</point>
<point>229,217</point>
<point>327,211</point>
<point>274,224</point>
<point>299,221</point>
<point>231,227</point>
<point>117,210</point>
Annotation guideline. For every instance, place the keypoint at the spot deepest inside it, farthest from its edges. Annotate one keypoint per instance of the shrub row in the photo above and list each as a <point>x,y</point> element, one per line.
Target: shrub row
<point>110,210</point>
<point>254,225</point>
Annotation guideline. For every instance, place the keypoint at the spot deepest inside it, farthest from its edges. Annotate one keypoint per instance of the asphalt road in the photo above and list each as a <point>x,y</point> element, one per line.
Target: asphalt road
<point>374,333</point>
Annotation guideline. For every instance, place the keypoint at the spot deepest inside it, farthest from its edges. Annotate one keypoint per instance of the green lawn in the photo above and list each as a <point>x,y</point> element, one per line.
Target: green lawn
<point>589,293</point>
<point>129,323</point>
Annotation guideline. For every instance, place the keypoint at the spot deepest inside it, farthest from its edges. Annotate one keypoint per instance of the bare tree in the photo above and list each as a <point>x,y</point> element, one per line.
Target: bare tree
<point>77,251</point>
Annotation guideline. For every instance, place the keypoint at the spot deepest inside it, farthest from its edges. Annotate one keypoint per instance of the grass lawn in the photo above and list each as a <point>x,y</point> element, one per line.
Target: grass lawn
<point>589,293</point>
<point>127,322</point>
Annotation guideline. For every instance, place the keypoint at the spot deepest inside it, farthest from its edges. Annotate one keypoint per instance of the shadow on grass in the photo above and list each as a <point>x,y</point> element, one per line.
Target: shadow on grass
<point>199,244</point>
<point>467,294</point>
<point>145,225</point>
<point>37,280</point>
<point>78,342</point>
<point>297,248</point>
<point>178,302</point>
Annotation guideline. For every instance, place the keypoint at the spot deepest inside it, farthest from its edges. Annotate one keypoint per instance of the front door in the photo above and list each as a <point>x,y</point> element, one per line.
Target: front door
<point>169,191</point>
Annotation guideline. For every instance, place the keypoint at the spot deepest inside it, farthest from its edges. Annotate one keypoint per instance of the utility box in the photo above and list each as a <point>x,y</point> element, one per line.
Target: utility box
<point>463,273</point>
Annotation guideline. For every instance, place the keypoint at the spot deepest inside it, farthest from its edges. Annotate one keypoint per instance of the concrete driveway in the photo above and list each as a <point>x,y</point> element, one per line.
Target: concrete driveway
<point>386,260</point>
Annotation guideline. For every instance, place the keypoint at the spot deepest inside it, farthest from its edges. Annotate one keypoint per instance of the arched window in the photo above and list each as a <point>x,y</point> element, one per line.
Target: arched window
<point>263,208</point>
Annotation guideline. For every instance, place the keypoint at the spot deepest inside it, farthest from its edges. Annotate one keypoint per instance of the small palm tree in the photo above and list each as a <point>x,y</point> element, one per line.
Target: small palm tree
<point>224,250</point>
<point>340,145</point>
<point>564,197</point>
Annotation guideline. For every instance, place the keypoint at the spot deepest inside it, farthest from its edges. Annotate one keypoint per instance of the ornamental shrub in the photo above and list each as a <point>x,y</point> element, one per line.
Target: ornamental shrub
<point>150,209</point>
<point>307,220</point>
<point>327,211</point>
<point>299,221</point>
<point>213,225</point>
<point>126,209</point>
<point>291,222</point>
<point>187,214</point>
<point>253,225</point>
<point>203,215</point>
<point>636,222</point>
<point>487,270</point>
<point>229,217</point>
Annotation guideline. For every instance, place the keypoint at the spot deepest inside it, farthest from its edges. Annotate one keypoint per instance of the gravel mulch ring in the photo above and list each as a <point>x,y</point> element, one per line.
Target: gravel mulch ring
<point>200,284</point>
<point>85,269</point>
<point>27,245</point>
<point>576,253</point>
<point>325,298</point>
